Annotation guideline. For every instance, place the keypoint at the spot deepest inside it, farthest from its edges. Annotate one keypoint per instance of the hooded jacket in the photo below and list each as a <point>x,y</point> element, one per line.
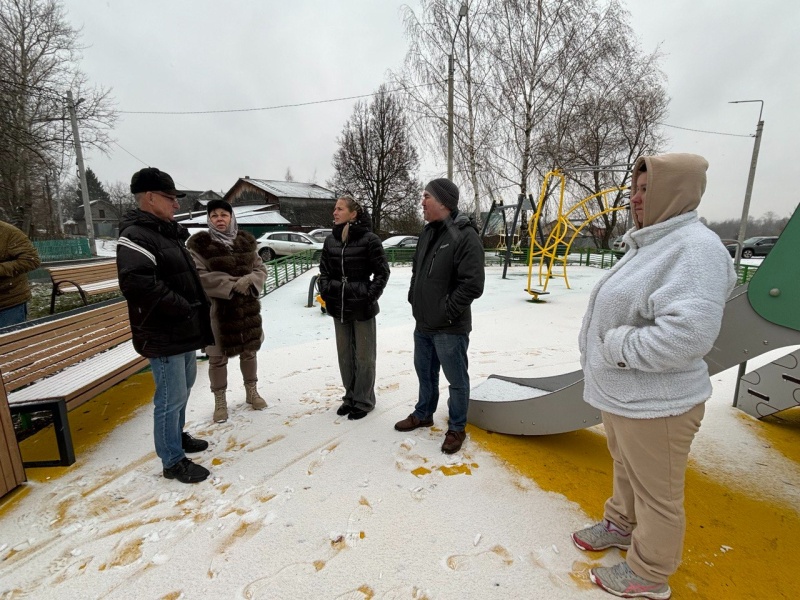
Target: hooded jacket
<point>235,317</point>
<point>353,274</point>
<point>447,274</point>
<point>18,256</point>
<point>656,314</point>
<point>168,309</point>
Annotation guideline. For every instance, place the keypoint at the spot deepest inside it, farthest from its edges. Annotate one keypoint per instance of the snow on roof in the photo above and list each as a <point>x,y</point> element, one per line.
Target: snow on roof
<point>258,214</point>
<point>292,189</point>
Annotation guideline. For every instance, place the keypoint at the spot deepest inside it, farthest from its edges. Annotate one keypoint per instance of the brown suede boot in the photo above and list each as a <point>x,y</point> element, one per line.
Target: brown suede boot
<point>220,406</point>
<point>253,398</point>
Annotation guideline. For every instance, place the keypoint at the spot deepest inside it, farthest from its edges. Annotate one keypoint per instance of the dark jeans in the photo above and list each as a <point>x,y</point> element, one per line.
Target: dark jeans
<point>356,346</point>
<point>14,315</point>
<point>448,351</point>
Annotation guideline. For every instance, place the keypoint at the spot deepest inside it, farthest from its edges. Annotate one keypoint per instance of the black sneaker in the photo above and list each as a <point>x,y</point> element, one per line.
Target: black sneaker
<point>357,414</point>
<point>343,410</point>
<point>186,471</point>
<point>190,444</point>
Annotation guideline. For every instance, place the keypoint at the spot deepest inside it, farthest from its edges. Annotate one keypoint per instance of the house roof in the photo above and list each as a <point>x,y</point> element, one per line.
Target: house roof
<point>291,189</point>
<point>245,215</point>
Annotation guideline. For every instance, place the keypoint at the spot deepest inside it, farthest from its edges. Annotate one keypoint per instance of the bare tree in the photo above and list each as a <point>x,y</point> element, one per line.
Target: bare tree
<point>424,78</point>
<point>376,161</point>
<point>534,77</point>
<point>39,56</point>
<point>119,194</point>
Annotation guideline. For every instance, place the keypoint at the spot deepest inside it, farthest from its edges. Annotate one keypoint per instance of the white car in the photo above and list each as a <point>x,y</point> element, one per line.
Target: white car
<point>285,243</point>
<point>401,241</point>
<point>320,234</point>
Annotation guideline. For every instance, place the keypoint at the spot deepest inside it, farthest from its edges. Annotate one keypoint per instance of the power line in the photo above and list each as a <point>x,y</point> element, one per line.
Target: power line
<point>705,131</point>
<point>262,108</point>
<point>130,153</point>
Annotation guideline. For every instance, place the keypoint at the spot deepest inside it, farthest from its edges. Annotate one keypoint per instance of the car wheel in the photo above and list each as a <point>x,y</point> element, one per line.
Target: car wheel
<point>747,253</point>
<point>267,254</point>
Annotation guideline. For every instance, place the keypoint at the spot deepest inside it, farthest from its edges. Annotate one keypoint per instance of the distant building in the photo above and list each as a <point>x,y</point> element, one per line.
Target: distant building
<point>304,205</point>
<point>195,201</point>
<point>105,220</point>
<point>255,219</point>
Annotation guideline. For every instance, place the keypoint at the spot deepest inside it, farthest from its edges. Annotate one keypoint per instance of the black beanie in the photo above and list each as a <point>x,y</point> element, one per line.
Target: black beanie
<point>445,191</point>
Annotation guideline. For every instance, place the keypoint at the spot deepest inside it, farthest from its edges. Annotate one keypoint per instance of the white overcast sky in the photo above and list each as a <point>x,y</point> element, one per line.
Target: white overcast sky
<point>181,55</point>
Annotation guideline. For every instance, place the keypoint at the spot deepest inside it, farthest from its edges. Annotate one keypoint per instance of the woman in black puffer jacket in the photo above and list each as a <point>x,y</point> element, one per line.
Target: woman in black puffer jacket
<point>353,274</point>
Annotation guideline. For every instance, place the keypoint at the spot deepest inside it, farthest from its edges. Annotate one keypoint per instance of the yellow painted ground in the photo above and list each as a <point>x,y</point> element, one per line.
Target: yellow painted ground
<point>89,424</point>
<point>761,534</point>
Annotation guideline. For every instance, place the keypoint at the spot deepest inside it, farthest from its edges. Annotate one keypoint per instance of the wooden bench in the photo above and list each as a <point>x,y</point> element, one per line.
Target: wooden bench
<point>88,279</point>
<point>57,364</point>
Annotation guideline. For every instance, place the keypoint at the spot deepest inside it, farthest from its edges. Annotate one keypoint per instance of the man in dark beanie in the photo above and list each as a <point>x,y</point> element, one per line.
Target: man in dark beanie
<point>446,276</point>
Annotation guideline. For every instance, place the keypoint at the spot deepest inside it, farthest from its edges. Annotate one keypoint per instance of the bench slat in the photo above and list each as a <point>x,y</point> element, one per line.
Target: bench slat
<point>30,372</point>
<point>82,376</point>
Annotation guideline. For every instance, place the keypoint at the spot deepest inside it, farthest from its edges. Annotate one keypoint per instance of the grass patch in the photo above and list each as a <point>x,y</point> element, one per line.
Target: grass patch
<point>39,305</point>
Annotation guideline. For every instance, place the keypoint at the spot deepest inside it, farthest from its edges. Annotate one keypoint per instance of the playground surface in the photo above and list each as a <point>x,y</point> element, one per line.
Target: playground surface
<point>305,504</point>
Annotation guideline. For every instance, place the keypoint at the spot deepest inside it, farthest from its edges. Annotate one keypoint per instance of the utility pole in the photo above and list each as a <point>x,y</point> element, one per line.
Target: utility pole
<point>750,178</point>
<point>87,209</point>
<point>462,12</point>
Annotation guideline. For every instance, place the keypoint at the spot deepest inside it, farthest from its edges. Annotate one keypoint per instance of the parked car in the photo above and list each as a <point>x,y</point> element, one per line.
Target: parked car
<point>401,241</point>
<point>320,234</point>
<point>755,246</point>
<point>285,243</point>
<point>618,246</point>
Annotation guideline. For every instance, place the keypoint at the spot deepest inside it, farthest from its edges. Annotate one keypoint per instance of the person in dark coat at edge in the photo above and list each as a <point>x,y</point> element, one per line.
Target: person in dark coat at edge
<point>353,274</point>
<point>233,276</point>
<point>447,275</point>
<point>169,313</point>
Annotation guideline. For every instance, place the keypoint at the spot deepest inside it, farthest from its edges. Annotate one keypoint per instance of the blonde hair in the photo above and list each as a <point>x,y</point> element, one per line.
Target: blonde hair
<point>352,206</point>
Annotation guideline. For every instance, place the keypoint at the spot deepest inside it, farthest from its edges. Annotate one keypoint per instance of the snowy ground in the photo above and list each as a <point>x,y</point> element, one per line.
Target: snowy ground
<point>305,504</point>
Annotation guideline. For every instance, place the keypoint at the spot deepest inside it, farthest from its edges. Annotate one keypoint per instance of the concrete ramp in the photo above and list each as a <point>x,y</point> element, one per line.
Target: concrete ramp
<point>549,405</point>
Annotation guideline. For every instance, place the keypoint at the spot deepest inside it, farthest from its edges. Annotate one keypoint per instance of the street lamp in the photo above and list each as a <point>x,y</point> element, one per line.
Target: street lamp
<point>462,12</point>
<point>750,178</point>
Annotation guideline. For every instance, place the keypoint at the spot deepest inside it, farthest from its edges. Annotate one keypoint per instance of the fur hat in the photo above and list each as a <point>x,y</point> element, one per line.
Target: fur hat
<point>445,191</point>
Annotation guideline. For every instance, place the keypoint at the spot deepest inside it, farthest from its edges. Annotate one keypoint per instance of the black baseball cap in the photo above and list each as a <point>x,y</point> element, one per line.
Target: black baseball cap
<point>151,179</point>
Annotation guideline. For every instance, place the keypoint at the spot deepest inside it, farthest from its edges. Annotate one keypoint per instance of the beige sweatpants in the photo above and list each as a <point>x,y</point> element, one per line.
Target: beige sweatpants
<point>650,457</point>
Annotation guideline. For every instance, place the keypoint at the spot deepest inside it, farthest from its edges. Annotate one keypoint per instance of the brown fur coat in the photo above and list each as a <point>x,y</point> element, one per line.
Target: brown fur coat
<point>235,318</point>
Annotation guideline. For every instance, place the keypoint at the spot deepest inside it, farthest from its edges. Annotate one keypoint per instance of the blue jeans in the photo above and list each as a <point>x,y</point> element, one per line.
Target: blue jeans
<point>174,377</point>
<point>14,315</point>
<point>448,351</point>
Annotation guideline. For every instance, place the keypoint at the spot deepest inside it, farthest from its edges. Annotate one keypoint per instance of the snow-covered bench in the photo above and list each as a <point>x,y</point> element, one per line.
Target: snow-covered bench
<point>88,279</point>
<point>57,364</point>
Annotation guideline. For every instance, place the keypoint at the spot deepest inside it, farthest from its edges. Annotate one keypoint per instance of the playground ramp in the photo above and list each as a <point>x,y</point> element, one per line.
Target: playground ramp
<point>550,405</point>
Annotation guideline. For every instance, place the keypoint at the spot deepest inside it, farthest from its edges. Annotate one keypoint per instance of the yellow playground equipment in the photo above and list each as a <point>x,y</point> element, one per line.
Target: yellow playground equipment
<point>568,224</point>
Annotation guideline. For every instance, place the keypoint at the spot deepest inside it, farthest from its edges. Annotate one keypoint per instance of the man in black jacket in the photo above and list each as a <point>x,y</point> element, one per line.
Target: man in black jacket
<point>446,276</point>
<point>169,313</point>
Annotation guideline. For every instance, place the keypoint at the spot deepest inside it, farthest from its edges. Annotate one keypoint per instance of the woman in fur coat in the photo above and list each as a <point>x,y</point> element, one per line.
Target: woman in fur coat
<point>353,272</point>
<point>232,275</point>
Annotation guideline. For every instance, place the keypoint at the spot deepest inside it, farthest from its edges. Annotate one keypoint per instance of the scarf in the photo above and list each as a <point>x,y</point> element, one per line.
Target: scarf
<point>224,237</point>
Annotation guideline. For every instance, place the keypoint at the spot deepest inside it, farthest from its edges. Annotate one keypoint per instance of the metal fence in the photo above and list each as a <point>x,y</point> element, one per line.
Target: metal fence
<point>68,249</point>
<point>282,270</point>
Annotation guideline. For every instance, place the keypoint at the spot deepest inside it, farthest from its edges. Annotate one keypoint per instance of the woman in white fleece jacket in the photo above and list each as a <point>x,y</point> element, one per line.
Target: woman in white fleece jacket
<point>649,323</point>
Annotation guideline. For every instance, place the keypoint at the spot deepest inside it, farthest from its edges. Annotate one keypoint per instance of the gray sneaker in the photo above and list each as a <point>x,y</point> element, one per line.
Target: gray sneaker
<point>621,581</point>
<point>601,536</point>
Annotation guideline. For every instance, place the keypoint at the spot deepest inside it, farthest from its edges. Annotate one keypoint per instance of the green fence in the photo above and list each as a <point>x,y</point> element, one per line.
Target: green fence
<point>283,270</point>
<point>69,249</point>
